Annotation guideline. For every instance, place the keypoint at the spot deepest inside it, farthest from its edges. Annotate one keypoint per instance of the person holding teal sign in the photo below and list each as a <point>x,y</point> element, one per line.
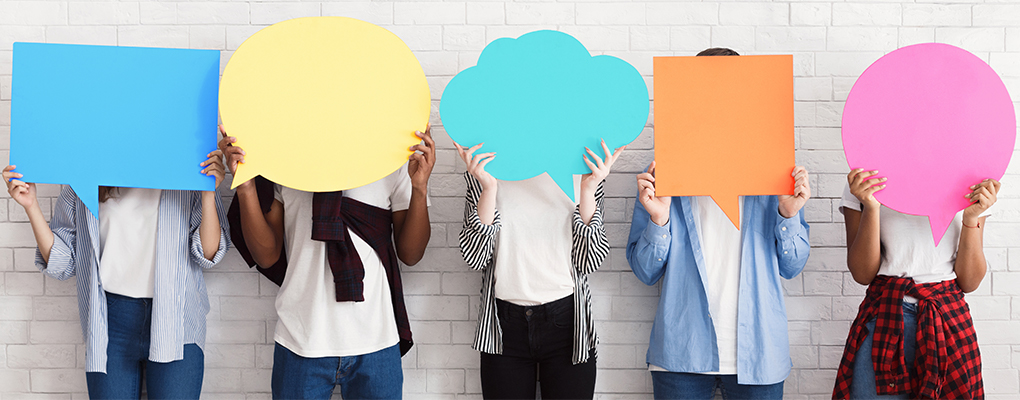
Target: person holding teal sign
<point>539,101</point>
<point>138,269</point>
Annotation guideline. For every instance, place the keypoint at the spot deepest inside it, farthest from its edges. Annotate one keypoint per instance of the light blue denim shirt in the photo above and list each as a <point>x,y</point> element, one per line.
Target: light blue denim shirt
<point>683,338</point>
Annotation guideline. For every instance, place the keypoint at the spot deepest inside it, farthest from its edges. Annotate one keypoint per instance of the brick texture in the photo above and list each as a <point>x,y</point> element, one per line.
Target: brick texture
<point>41,352</point>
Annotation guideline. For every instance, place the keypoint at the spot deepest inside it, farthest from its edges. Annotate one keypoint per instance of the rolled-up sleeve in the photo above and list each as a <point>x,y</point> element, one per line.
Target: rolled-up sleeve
<point>477,240</point>
<point>589,243</point>
<point>197,252</point>
<point>62,256</point>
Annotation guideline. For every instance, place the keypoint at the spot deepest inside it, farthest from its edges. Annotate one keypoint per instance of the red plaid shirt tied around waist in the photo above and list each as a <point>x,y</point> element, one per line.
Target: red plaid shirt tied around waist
<point>947,363</point>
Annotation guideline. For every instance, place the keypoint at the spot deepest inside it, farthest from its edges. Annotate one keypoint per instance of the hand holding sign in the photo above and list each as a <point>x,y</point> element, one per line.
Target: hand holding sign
<point>538,101</point>
<point>935,120</point>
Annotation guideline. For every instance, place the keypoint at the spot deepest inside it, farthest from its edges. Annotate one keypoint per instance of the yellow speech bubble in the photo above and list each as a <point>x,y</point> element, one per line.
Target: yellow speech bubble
<point>323,103</point>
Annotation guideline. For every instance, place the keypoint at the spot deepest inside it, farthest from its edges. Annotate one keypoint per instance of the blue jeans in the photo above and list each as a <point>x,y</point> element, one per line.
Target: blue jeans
<point>679,385</point>
<point>369,376</point>
<point>127,353</point>
<point>863,384</point>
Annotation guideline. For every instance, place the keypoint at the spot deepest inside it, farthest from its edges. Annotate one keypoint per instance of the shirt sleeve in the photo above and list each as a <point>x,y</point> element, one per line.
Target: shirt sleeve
<point>477,240</point>
<point>61,263</point>
<point>590,246</point>
<point>648,244</point>
<point>278,192</point>
<point>197,252</point>
<point>400,197</point>
<point>849,200</point>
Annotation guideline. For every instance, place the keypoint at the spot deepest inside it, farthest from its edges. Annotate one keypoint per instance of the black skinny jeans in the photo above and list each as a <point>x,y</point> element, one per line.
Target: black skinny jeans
<point>537,341</point>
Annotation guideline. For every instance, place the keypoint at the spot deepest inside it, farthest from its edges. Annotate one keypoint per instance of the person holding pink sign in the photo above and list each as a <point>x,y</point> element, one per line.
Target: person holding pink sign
<point>929,349</point>
<point>915,206</point>
<point>138,269</point>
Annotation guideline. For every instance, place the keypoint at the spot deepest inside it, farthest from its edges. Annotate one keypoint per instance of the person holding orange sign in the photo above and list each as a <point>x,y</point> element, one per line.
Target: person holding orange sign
<point>721,288</point>
<point>342,317</point>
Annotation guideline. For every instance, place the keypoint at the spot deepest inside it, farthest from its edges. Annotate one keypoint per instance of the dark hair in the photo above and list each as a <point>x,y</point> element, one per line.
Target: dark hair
<point>107,192</point>
<point>718,51</point>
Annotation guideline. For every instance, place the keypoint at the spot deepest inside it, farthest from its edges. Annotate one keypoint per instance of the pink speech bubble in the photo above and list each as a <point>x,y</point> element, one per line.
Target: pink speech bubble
<point>934,119</point>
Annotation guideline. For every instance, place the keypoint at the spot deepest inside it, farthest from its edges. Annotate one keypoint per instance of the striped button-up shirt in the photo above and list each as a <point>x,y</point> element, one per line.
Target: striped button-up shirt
<point>589,248</point>
<point>180,303</point>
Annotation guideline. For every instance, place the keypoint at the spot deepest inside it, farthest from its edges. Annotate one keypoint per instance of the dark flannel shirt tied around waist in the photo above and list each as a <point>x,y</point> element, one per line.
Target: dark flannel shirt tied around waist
<point>947,363</point>
<point>332,215</point>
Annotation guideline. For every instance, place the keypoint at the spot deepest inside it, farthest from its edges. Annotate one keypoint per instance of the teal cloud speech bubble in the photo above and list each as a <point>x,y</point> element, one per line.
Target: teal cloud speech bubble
<point>538,101</point>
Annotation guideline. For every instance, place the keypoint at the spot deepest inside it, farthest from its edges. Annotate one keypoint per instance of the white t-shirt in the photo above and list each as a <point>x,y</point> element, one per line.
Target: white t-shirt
<point>127,242</point>
<point>908,249</point>
<point>311,322</point>
<point>533,250</point>
<point>721,248</point>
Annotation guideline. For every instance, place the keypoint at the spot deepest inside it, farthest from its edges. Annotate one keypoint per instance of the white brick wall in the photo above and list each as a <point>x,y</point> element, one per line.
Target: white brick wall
<point>41,351</point>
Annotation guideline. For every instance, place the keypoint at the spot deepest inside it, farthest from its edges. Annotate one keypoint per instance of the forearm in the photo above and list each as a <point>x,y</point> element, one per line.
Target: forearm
<point>487,206</point>
<point>41,230</point>
<point>587,204</point>
<point>209,229</point>
<point>970,264</point>
<point>416,230</point>
<point>864,255</point>
<point>258,234</point>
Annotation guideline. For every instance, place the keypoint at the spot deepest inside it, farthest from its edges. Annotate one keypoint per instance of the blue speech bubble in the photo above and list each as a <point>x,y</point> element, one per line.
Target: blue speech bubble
<point>539,100</point>
<point>91,116</point>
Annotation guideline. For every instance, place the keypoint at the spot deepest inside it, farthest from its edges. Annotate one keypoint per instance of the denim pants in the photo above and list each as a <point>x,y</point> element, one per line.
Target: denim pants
<point>680,385</point>
<point>863,385</point>
<point>375,375</point>
<point>537,342</point>
<point>129,320</point>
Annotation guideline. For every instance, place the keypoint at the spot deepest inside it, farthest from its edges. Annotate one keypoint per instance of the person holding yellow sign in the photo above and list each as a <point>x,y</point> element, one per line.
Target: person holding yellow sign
<point>342,319</point>
<point>328,215</point>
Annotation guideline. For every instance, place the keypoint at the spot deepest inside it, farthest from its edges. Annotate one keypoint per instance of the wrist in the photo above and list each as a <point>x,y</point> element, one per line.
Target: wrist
<point>246,190</point>
<point>660,220</point>
<point>786,214</point>
<point>419,190</point>
<point>971,222</point>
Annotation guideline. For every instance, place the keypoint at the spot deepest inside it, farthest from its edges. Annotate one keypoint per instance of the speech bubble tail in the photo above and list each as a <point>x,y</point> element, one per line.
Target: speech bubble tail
<point>730,205</point>
<point>939,225</point>
<point>566,184</point>
<point>243,174</point>
<point>89,195</point>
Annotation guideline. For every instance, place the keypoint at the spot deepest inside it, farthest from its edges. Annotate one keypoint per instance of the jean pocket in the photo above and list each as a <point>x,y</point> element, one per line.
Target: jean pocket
<point>564,319</point>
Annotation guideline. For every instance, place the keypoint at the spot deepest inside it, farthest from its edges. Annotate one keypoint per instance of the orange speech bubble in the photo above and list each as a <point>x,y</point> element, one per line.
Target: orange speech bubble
<point>724,127</point>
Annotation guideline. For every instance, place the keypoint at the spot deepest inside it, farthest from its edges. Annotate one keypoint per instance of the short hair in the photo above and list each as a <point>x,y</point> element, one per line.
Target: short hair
<point>718,51</point>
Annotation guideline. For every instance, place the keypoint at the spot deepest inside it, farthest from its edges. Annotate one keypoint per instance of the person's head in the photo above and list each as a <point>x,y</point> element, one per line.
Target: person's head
<point>718,51</point>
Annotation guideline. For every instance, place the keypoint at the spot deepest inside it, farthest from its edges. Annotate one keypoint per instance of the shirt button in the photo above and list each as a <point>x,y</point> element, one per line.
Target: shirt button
<point>663,236</point>
<point>892,385</point>
<point>660,259</point>
<point>784,228</point>
<point>786,252</point>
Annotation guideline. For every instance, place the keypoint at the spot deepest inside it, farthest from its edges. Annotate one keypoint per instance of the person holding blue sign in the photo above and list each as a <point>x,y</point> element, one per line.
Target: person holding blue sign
<point>721,289</point>
<point>138,269</point>
<point>535,316</point>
